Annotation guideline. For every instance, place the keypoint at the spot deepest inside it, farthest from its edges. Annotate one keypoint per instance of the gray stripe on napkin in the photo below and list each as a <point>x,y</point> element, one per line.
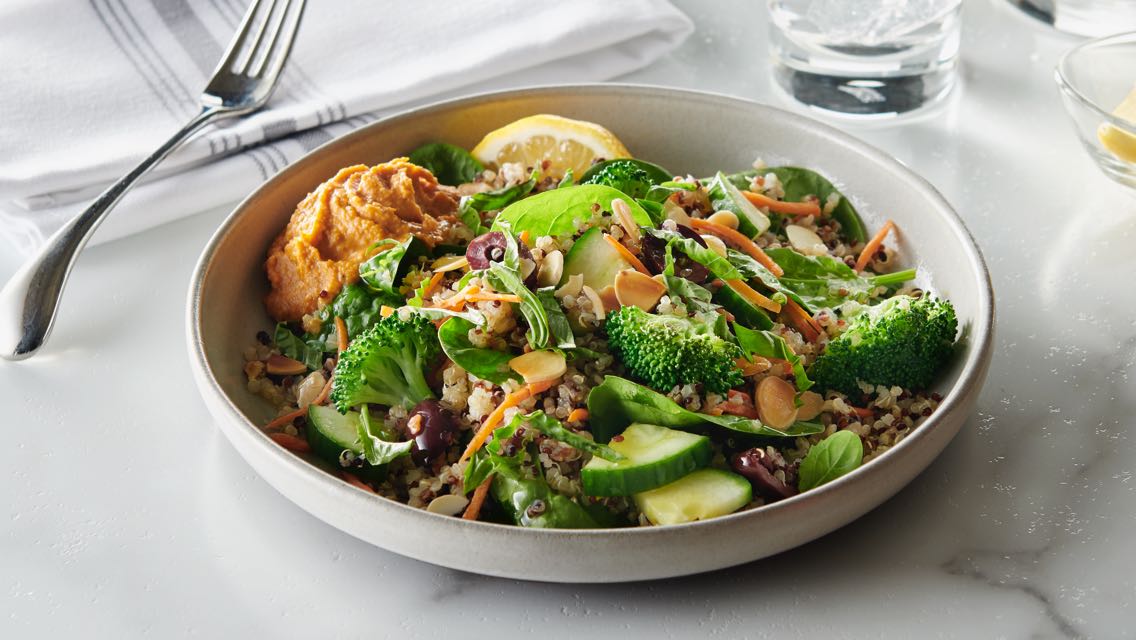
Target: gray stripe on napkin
<point>142,41</point>
<point>191,34</point>
<point>135,59</point>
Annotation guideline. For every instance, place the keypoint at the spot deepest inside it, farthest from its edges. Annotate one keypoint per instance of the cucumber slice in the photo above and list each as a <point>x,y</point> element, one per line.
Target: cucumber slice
<point>330,432</point>
<point>706,493</point>
<point>727,197</point>
<point>655,456</point>
<point>594,258</point>
<point>747,314</point>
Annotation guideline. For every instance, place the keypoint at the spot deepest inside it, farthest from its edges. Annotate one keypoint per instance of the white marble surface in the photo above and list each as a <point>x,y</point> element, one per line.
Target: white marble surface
<point>126,514</point>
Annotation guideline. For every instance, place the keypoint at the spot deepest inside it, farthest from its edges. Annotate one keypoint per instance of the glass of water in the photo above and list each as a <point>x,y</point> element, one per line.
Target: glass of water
<point>876,58</point>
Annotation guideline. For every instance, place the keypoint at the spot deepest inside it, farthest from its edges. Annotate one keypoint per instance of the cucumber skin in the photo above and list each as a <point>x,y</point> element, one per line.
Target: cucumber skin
<point>699,502</point>
<point>577,260</point>
<point>328,451</point>
<point>745,312</point>
<point>627,481</point>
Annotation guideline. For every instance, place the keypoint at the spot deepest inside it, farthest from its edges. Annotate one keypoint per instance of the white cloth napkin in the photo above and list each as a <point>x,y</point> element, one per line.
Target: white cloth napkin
<point>89,88</point>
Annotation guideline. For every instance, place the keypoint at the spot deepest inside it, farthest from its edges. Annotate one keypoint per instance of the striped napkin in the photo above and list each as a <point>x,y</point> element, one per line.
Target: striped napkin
<point>92,86</point>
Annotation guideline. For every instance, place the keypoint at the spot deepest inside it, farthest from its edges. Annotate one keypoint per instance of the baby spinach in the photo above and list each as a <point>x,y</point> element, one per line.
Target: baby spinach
<point>450,164</point>
<point>695,297</point>
<point>617,403</point>
<point>310,352</point>
<point>358,306</point>
<point>753,270</point>
<point>567,180</point>
<point>377,450</point>
<point>471,207</point>
<point>562,211</point>
<point>798,183</point>
<point>558,325</point>
<point>530,502</point>
<point>556,430</point>
<point>487,364</point>
<point>725,196</point>
<point>705,256</point>
<point>771,345</point>
<point>505,279</point>
<point>385,270</point>
<point>827,460</point>
<point>824,281</point>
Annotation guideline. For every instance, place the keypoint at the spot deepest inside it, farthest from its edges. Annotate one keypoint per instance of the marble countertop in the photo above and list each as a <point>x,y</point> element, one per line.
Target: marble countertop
<point>125,512</point>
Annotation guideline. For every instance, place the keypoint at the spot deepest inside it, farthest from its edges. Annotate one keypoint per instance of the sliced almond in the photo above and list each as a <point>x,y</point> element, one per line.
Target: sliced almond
<point>309,388</point>
<point>597,302</point>
<point>527,267</point>
<point>672,211</point>
<point>633,289</point>
<point>279,365</point>
<point>753,367</point>
<point>449,263</point>
<point>622,214</point>
<point>715,243</point>
<point>448,505</point>
<point>572,287</point>
<point>724,218</point>
<point>609,299</point>
<point>774,399</point>
<point>811,405</point>
<point>551,268</point>
<point>805,240</point>
<point>539,366</point>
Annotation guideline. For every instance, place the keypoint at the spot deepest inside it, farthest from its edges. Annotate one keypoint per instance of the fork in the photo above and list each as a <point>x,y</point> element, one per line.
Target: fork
<point>241,84</point>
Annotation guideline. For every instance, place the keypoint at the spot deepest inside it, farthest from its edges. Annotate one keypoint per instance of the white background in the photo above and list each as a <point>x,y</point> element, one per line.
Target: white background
<point>126,514</point>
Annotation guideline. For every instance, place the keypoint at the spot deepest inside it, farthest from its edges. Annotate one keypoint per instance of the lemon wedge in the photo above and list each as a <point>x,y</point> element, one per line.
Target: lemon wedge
<point>1121,143</point>
<point>565,143</point>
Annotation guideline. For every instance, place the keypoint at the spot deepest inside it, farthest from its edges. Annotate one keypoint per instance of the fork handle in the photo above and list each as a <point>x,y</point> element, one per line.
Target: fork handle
<point>30,299</point>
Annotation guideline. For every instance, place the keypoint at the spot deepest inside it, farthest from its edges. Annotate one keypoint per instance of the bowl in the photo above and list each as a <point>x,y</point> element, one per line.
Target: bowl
<point>1095,77</point>
<point>687,131</point>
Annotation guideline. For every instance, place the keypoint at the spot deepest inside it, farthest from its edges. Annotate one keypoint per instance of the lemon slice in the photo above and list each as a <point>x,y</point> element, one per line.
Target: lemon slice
<point>1120,142</point>
<point>565,143</point>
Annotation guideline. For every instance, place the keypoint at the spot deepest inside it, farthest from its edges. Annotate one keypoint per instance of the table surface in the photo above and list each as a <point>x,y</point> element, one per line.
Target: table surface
<point>129,514</point>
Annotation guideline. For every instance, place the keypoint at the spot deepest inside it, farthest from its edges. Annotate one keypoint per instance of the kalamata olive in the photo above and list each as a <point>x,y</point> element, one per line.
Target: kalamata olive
<point>488,248</point>
<point>752,464</point>
<point>433,429</point>
<point>655,256</point>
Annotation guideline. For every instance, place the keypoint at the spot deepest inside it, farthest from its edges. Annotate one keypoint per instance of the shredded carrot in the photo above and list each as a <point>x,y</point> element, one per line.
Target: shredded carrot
<point>458,301</point>
<point>863,413</point>
<point>340,334</point>
<point>627,255</point>
<point>473,510</point>
<point>524,237</point>
<point>780,206</point>
<point>495,418</point>
<point>433,284</point>
<point>386,311</point>
<point>751,294</point>
<point>291,442</point>
<point>286,419</point>
<point>873,245</point>
<point>802,321</point>
<point>738,239</point>
<point>578,414</point>
<point>354,481</point>
<point>499,297</point>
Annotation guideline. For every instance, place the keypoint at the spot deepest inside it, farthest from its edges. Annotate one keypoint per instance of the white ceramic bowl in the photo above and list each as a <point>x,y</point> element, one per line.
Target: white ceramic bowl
<point>686,132</point>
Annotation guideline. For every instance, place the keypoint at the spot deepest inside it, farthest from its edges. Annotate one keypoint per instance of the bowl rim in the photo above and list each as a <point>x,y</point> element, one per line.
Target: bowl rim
<point>970,377</point>
<point>1063,76</point>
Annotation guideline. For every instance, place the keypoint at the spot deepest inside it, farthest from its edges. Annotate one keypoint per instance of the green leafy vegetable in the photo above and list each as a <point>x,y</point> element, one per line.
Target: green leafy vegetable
<point>558,325</point>
<point>725,196</point>
<point>530,502</point>
<point>505,279</point>
<point>824,281</point>
<point>770,345</point>
<point>567,180</point>
<point>745,312</point>
<point>798,183</point>
<point>562,211</point>
<point>719,266</point>
<point>753,270</point>
<point>359,307</point>
<point>836,455</point>
<point>385,270</point>
<point>376,450</point>
<point>487,364</point>
<point>450,164</point>
<point>471,207</point>
<point>617,403</point>
<point>556,430</point>
<point>696,298</point>
<point>309,352</point>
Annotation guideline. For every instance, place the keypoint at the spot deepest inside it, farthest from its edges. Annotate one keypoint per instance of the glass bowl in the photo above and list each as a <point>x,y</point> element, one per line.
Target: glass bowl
<point>1095,77</point>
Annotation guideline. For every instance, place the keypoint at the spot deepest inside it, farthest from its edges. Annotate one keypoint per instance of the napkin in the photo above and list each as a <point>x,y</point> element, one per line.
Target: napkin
<point>92,87</point>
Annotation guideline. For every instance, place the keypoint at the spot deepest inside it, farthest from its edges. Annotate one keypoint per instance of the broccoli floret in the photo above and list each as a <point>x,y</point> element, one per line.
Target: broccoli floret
<point>387,365</point>
<point>902,341</point>
<point>624,175</point>
<point>663,351</point>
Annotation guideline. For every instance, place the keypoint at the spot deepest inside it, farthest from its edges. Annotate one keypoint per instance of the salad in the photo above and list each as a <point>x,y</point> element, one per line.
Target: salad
<point>548,332</point>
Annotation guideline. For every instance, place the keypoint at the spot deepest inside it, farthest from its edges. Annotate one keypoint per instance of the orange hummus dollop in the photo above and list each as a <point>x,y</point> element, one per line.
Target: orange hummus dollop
<point>331,231</point>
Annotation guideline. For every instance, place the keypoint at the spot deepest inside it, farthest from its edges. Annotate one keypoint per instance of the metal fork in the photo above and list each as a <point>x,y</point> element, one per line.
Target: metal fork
<point>242,83</point>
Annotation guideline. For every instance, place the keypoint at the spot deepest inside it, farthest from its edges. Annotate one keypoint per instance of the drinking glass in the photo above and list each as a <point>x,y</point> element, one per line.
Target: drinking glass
<point>865,58</point>
<point>1083,17</point>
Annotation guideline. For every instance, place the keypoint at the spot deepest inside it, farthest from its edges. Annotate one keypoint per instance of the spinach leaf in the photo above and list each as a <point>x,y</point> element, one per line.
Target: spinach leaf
<point>487,364</point>
<point>435,314</point>
<point>705,256</point>
<point>386,269</point>
<point>753,270</point>
<point>360,308</point>
<point>830,458</point>
<point>824,281</point>
<point>771,345</point>
<point>798,183</point>
<point>562,211</point>
<point>309,352</point>
<point>695,297</point>
<point>725,196</point>
<point>471,207</point>
<point>554,429</point>
<point>617,403</point>
<point>530,502</point>
<point>557,321</point>
<point>654,210</point>
<point>567,180</point>
<point>745,312</point>
<point>505,279</point>
<point>377,450</point>
<point>450,164</point>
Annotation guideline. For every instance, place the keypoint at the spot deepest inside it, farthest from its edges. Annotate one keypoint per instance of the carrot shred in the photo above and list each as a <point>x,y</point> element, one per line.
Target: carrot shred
<point>751,294</point>
<point>291,442</point>
<point>780,206</point>
<point>473,510</point>
<point>287,418</point>
<point>354,481</point>
<point>495,418</point>
<point>458,301</point>
<point>863,412</point>
<point>873,245</point>
<point>341,334</point>
<point>802,321</point>
<point>499,297</point>
<point>385,311</point>
<point>627,255</point>
<point>738,239</point>
<point>524,237</point>
<point>578,414</point>
<point>435,280</point>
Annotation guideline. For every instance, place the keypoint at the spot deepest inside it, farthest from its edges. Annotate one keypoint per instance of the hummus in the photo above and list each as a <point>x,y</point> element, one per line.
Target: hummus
<point>331,231</point>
